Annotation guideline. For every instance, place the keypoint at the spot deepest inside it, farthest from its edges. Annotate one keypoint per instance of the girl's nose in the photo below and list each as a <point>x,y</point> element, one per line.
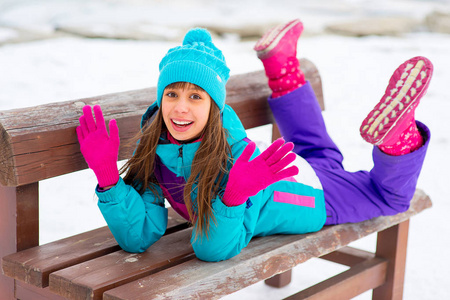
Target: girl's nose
<point>182,105</point>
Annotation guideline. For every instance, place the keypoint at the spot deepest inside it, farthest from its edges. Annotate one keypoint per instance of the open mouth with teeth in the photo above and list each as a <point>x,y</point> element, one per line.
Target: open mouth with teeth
<point>181,125</point>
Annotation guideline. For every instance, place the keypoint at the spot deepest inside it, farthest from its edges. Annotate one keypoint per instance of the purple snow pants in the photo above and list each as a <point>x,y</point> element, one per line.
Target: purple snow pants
<point>387,189</point>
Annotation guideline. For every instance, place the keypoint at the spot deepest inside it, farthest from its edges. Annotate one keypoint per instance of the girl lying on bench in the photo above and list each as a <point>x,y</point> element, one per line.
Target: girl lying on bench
<point>193,151</point>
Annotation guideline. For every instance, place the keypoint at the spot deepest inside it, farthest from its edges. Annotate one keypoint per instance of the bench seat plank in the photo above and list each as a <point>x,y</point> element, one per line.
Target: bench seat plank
<point>90,279</point>
<point>263,258</point>
<point>34,265</point>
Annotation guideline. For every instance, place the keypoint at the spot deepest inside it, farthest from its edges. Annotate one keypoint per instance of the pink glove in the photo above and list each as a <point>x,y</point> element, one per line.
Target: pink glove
<point>99,150</point>
<point>247,178</point>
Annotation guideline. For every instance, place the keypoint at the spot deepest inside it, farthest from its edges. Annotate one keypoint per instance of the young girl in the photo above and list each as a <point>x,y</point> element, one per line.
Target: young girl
<point>194,152</point>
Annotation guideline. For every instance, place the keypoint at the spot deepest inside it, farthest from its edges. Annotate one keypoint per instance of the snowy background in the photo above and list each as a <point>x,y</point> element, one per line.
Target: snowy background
<point>46,57</point>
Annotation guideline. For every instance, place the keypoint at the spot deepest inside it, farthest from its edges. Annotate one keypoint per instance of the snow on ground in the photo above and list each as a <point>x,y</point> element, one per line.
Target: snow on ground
<point>355,72</point>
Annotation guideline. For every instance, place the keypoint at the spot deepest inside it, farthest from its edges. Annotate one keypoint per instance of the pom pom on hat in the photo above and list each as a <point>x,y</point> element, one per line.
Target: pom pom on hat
<point>197,35</point>
<point>197,61</point>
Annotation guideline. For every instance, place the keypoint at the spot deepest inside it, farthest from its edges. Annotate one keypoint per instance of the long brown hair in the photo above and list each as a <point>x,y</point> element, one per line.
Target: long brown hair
<point>208,170</point>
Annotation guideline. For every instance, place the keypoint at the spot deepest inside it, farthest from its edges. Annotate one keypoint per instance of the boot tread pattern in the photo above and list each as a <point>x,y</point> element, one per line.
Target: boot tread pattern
<point>407,85</point>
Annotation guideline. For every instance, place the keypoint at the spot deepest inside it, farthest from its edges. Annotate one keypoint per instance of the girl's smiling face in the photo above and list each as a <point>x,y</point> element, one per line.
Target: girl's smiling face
<point>185,110</point>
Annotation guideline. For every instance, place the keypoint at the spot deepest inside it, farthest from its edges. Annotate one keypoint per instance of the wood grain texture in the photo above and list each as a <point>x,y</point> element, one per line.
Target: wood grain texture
<point>261,259</point>
<point>90,279</point>
<point>25,291</point>
<point>40,142</point>
<point>33,266</point>
<point>27,216</point>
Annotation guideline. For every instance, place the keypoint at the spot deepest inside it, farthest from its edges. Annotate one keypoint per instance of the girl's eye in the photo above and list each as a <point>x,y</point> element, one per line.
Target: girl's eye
<point>195,97</point>
<point>171,95</point>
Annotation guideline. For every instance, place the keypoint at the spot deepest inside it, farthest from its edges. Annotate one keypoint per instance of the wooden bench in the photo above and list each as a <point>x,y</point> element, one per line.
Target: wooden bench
<point>40,142</point>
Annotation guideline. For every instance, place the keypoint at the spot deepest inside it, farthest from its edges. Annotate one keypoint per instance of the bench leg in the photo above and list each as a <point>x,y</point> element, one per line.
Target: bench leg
<point>19,225</point>
<point>280,280</point>
<point>8,244</point>
<point>391,245</point>
<point>275,132</point>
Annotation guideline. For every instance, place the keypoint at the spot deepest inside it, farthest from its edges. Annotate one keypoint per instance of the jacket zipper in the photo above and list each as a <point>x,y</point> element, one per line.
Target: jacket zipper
<point>180,160</point>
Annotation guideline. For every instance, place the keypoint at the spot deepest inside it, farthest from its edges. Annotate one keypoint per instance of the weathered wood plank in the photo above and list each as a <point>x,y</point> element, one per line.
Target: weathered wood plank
<point>263,258</point>
<point>34,265</point>
<point>90,279</point>
<point>25,291</point>
<point>40,142</point>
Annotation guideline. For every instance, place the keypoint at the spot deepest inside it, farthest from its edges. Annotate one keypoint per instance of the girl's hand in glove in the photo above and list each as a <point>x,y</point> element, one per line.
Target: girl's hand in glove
<point>247,178</point>
<point>99,149</point>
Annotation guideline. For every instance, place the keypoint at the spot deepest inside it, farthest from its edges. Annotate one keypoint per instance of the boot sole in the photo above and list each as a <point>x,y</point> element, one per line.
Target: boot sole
<point>407,85</point>
<point>271,38</point>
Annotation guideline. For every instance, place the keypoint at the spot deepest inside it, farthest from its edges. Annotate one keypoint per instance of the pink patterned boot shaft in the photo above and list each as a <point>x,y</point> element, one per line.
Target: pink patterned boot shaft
<point>408,141</point>
<point>391,119</point>
<point>291,79</point>
<point>277,50</point>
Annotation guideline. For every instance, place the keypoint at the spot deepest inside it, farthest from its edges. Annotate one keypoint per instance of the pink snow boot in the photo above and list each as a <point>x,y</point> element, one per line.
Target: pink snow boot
<point>391,124</point>
<point>277,50</point>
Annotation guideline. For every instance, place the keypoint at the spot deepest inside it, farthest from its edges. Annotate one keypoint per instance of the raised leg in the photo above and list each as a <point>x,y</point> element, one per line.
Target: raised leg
<point>299,118</point>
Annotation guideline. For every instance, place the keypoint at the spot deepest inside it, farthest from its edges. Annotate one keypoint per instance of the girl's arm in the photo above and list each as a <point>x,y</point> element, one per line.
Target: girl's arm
<point>231,232</point>
<point>135,221</point>
<point>226,237</point>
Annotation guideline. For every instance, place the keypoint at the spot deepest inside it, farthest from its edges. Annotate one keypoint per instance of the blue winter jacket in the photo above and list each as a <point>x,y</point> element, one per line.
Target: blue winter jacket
<point>291,206</point>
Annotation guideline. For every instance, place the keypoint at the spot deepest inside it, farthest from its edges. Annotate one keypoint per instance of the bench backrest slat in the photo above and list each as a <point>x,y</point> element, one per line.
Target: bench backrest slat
<point>40,142</point>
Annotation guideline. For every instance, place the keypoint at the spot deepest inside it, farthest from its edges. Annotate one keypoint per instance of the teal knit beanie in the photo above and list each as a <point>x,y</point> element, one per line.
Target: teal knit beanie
<point>196,61</point>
